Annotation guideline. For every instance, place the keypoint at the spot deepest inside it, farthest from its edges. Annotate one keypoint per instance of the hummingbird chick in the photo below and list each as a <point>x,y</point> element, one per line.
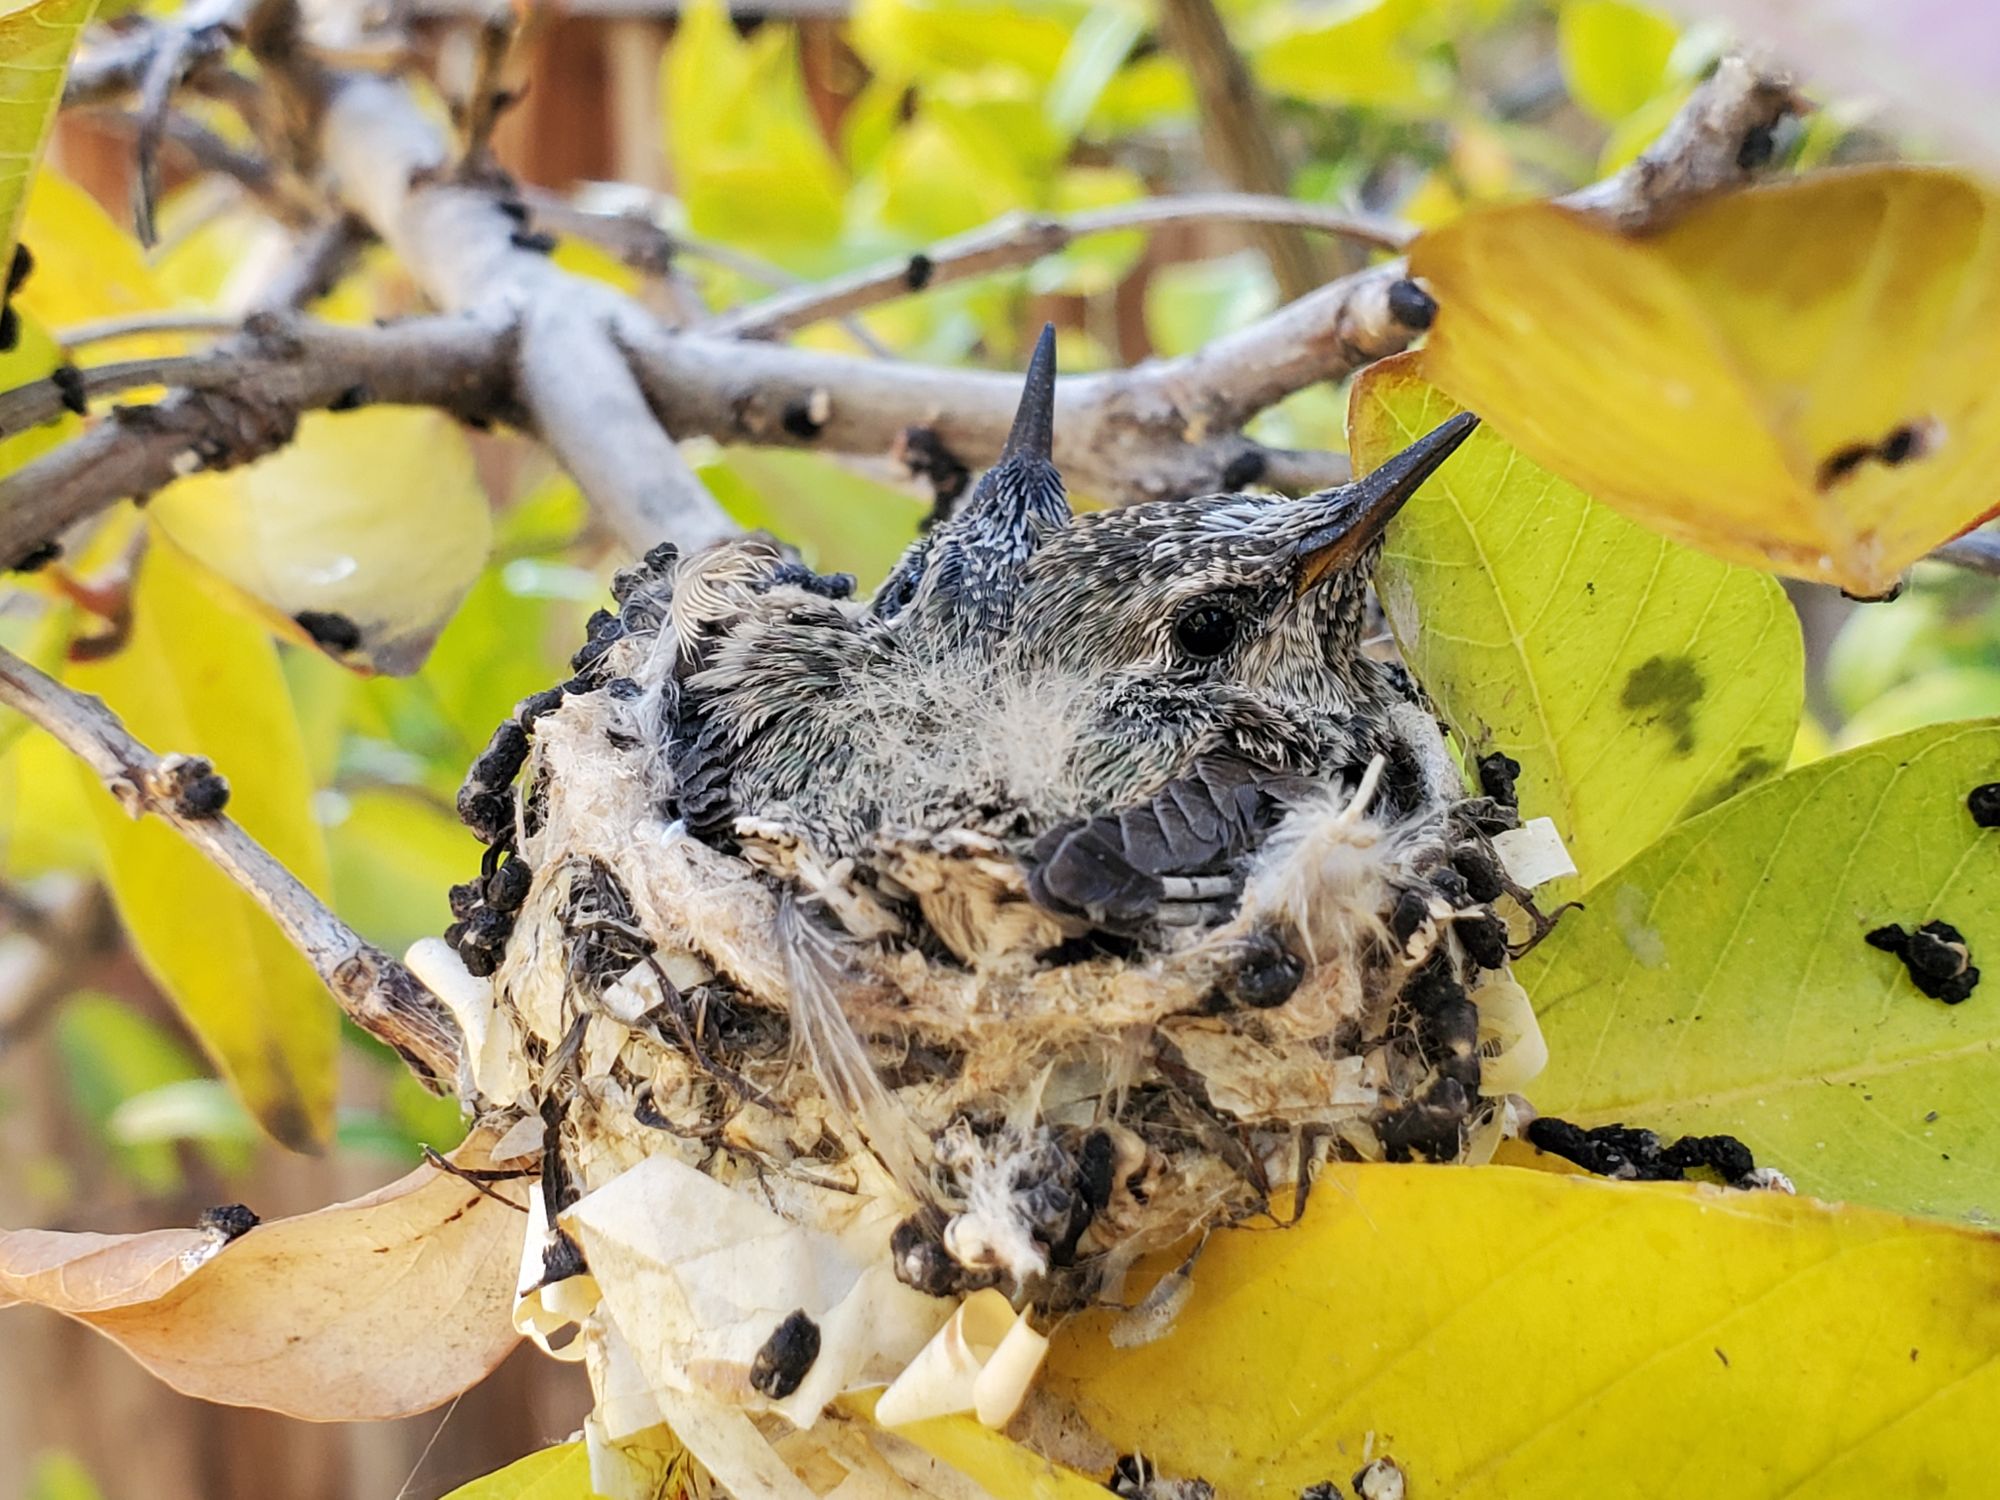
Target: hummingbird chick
<point>1094,846</point>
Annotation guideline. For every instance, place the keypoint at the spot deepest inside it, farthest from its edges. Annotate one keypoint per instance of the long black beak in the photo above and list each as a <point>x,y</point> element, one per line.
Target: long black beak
<point>1034,431</point>
<point>1363,509</point>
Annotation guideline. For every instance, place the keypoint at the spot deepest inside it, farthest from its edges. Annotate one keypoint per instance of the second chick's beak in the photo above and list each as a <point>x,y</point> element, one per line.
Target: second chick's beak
<point>1358,513</point>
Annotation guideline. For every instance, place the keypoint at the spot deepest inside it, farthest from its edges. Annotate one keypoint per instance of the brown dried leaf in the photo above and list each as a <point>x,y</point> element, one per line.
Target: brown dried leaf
<point>376,1308</point>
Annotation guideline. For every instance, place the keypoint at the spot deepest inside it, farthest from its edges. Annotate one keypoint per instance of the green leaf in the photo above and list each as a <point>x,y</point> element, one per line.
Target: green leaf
<point>110,1054</point>
<point>841,522</point>
<point>1093,58</point>
<point>1636,680</point>
<point>558,1473</point>
<point>35,44</point>
<point>194,676</point>
<point>1354,53</point>
<point>1614,55</point>
<point>1515,1335</point>
<point>395,854</point>
<point>1719,982</point>
<point>61,1476</point>
<point>748,159</point>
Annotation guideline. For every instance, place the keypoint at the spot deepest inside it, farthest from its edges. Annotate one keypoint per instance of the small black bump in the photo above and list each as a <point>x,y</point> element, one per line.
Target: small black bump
<point>230,1220</point>
<point>1498,773</point>
<point>1485,939</point>
<point>798,420</point>
<point>1983,802</point>
<point>36,558</point>
<point>533,240</point>
<point>1759,144</point>
<point>330,630</point>
<point>479,962</point>
<point>1245,469</point>
<point>353,397</point>
<point>1411,305</point>
<point>917,274</point>
<point>787,1355</point>
<point>18,269</point>
<point>68,381</point>
<point>507,887</point>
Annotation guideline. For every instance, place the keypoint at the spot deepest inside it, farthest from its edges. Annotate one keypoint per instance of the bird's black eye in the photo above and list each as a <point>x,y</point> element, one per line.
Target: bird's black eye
<point>1205,632</point>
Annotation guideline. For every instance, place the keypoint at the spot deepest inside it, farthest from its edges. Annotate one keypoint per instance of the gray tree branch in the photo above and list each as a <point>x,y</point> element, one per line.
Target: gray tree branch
<point>375,991</point>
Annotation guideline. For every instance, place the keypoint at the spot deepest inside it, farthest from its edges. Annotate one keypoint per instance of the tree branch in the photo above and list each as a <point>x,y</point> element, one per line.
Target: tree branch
<point>376,992</point>
<point>1019,240</point>
<point>1165,428</point>
<point>467,252</point>
<point>236,402</point>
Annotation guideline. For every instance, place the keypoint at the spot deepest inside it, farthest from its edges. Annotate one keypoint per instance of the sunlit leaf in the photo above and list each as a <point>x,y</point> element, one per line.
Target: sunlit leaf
<point>1936,697</point>
<point>36,39</point>
<point>371,1309</point>
<point>61,1476</point>
<point>1355,53</point>
<point>748,159</point>
<point>362,535</point>
<point>558,1473</point>
<point>198,678</point>
<point>1797,377</point>
<point>918,40</point>
<point>395,854</point>
<point>1720,981</point>
<point>1096,52</point>
<point>1634,679</point>
<point>86,266</point>
<point>1601,1339</point>
<point>1614,55</point>
<point>841,521</point>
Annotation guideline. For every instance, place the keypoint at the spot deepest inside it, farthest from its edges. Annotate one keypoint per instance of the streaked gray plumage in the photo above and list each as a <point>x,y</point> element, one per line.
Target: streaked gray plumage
<point>1023,674</point>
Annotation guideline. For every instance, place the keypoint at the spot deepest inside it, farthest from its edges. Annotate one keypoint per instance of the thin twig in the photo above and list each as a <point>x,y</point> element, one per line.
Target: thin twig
<point>377,993</point>
<point>1020,240</point>
<point>486,101</point>
<point>1976,552</point>
<point>139,325</point>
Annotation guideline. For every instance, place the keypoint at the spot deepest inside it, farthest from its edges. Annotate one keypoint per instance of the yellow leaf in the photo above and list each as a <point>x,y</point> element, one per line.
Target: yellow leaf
<point>199,678</point>
<point>86,267</point>
<point>1614,55</point>
<point>558,1473</point>
<point>1799,377</point>
<point>363,1311</point>
<point>367,530</point>
<point>748,159</point>
<point>1516,1335</point>
<point>1635,680</point>
<point>35,44</point>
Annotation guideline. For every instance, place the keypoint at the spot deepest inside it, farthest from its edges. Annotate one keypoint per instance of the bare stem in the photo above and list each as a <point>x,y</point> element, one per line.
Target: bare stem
<point>1020,240</point>
<point>376,992</point>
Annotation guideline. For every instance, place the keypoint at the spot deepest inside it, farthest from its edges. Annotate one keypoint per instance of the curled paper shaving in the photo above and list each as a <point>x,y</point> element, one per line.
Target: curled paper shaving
<point>1512,1052</point>
<point>1534,854</point>
<point>982,1361</point>
<point>698,1278</point>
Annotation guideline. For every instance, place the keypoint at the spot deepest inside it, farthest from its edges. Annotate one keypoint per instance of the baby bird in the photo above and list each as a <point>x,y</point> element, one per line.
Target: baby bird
<point>1092,716</point>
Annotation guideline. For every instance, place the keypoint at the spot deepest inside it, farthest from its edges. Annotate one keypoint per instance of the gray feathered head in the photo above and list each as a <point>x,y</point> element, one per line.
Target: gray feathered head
<point>960,583</point>
<point>1266,592</point>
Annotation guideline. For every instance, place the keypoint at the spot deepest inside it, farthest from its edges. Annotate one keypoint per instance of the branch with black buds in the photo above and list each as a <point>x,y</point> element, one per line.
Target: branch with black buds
<point>378,994</point>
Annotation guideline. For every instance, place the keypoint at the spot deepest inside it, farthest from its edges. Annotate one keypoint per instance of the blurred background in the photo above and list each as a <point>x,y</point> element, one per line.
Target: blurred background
<point>724,154</point>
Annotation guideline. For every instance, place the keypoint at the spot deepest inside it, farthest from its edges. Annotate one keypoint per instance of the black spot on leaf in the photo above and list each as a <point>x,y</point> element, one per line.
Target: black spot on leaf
<point>1665,690</point>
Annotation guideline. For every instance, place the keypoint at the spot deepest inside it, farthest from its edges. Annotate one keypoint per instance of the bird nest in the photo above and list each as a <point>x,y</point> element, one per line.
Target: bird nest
<point>816,1045</point>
